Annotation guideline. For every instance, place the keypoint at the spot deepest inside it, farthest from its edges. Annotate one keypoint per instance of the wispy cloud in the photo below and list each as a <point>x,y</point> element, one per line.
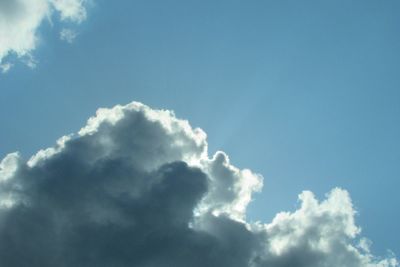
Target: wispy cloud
<point>5,67</point>
<point>68,35</point>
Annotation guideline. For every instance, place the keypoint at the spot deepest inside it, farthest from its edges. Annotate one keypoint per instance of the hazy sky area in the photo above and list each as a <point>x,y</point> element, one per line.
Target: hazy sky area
<point>305,93</point>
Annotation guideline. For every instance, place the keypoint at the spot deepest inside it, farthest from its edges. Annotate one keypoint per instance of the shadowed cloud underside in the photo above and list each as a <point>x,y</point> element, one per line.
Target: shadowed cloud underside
<point>137,187</point>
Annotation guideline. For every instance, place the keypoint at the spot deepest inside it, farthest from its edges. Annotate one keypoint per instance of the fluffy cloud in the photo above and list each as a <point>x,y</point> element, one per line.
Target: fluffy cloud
<point>136,187</point>
<point>21,19</point>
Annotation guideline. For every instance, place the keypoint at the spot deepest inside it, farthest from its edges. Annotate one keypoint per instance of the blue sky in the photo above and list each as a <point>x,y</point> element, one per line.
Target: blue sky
<point>305,93</point>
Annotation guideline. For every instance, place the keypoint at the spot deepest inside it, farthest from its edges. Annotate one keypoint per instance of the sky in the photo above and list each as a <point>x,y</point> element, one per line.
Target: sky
<point>304,93</point>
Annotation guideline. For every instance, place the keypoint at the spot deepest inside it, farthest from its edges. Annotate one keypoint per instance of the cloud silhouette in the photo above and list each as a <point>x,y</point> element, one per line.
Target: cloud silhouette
<point>136,187</point>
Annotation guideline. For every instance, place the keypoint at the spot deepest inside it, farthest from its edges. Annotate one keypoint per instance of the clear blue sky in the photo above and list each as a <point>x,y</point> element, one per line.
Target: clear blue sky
<point>306,93</point>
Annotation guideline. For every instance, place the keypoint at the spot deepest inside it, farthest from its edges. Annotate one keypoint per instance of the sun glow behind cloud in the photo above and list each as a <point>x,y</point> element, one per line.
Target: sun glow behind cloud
<point>137,187</point>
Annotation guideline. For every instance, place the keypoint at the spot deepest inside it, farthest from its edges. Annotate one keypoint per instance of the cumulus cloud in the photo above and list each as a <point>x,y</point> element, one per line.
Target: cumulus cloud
<point>20,21</point>
<point>137,187</point>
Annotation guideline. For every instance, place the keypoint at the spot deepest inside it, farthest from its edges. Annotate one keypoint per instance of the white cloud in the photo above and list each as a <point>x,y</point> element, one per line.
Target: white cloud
<point>72,10</point>
<point>20,21</point>
<point>5,67</point>
<point>68,35</point>
<point>318,234</point>
<point>137,187</point>
<point>8,166</point>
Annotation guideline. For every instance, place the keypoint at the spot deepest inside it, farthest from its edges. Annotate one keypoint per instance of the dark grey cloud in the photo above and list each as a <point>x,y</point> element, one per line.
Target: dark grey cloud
<point>136,187</point>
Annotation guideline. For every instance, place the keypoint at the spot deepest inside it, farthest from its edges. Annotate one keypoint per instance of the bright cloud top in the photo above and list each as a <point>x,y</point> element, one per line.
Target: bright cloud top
<point>136,187</point>
<point>21,19</point>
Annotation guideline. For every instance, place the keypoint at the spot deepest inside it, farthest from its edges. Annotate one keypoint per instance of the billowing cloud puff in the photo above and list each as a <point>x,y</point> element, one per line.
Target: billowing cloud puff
<point>21,19</point>
<point>136,187</point>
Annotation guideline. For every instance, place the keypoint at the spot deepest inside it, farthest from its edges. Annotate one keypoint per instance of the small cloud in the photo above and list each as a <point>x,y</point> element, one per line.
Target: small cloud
<point>68,35</point>
<point>30,61</point>
<point>5,67</point>
<point>72,10</point>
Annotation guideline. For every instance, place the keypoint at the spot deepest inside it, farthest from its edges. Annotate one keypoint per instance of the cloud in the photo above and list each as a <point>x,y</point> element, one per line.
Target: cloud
<point>68,35</point>
<point>136,187</point>
<point>72,10</point>
<point>5,67</point>
<point>20,21</point>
